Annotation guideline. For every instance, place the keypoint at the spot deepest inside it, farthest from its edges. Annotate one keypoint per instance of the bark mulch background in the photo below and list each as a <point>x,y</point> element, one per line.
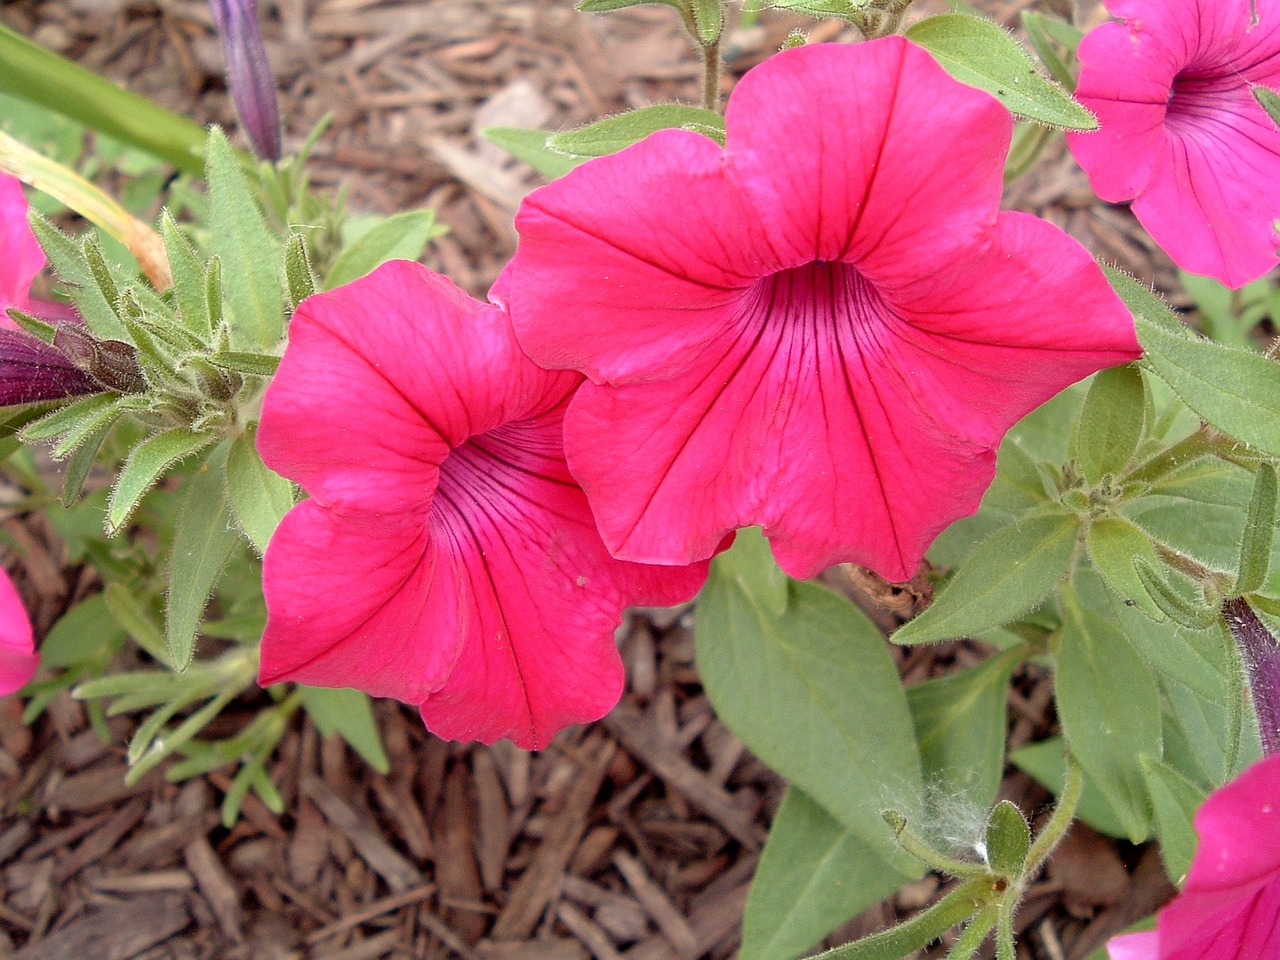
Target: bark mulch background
<point>632,838</point>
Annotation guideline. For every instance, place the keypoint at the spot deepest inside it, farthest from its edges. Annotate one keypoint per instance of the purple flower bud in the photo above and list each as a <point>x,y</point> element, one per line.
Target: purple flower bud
<point>1261,656</point>
<point>249,74</point>
<point>32,370</point>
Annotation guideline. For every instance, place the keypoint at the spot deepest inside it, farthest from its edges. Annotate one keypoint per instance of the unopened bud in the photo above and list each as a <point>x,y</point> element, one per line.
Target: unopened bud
<point>1261,655</point>
<point>249,74</point>
<point>112,363</point>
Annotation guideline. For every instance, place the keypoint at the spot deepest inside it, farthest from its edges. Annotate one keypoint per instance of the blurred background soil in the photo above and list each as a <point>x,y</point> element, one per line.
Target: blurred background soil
<point>632,838</point>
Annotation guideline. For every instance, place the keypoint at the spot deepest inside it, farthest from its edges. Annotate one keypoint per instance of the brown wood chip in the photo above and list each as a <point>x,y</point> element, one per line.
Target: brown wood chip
<point>116,933</point>
<point>399,874</point>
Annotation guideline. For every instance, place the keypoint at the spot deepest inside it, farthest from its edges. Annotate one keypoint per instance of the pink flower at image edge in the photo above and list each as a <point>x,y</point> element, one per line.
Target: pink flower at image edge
<point>18,659</point>
<point>1181,132</point>
<point>446,557</point>
<point>824,328</point>
<point>1229,907</point>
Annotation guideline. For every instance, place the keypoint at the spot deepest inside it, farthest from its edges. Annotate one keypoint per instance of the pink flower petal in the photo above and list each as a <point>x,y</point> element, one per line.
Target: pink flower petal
<point>841,377</point>
<point>18,660</point>
<point>20,255</point>
<point>447,557</point>
<point>1135,946</point>
<point>1181,132</point>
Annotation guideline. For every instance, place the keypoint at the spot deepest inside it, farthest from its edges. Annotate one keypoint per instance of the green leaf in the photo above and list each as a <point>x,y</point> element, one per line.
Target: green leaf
<point>1269,100</point>
<point>1109,705</point>
<point>619,132</point>
<point>401,237</point>
<point>818,8</point>
<point>79,418</point>
<point>299,279</point>
<point>531,147</point>
<point>1175,801</point>
<point>814,874</point>
<point>348,714</point>
<point>136,621</point>
<point>1235,390</point>
<point>203,539</point>
<point>1043,31</point>
<point>603,6</point>
<point>1172,604</point>
<point>1114,544</point>
<point>1259,531</point>
<point>1008,839</point>
<point>1042,761</point>
<point>188,278</point>
<point>960,723</point>
<point>249,251</point>
<point>259,496</point>
<point>255,364</point>
<point>977,52</point>
<point>814,693</point>
<point>1006,575</point>
<point>80,634</point>
<point>1110,423</point>
<point>67,260</point>
<point>144,468</point>
<point>80,463</point>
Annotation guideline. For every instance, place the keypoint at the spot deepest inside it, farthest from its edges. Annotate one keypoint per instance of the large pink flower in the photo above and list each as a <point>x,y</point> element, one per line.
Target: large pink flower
<point>1182,134</point>
<point>18,659</point>
<point>824,328</point>
<point>1229,908</point>
<point>20,255</point>
<point>446,557</point>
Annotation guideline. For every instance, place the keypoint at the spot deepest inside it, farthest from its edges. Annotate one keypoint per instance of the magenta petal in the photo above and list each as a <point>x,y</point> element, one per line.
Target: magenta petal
<point>18,660</point>
<point>446,557</point>
<point>1135,946</point>
<point>865,184</point>
<point>1182,134</point>
<point>20,255</point>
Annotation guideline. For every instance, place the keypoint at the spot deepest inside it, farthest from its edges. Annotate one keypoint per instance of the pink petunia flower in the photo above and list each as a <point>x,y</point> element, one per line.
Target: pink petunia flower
<point>20,255</point>
<point>446,557</point>
<point>1182,134</point>
<point>823,328</point>
<point>18,659</point>
<point>1229,907</point>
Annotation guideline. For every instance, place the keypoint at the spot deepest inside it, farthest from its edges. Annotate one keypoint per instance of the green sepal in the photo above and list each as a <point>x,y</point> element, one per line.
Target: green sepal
<point>619,132</point>
<point>1269,100</point>
<point>1111,420</point>
<point>1113,544</point>
<point>40,329</point>
<point>1259,531</point>
<point>1173,604</point>
<point>66,257</point>
<point>246,246</point>
<point>259,496</point>
<point>146,465</point>
<point>299,280</point>
<point>203,540</point>
<point>213,296</point>
<point>69,418</point>
<point>86,430</point>
<point>188,279</point>
<point>1007,574</point>
<point>254,364</point>
<point>91,250</point>
<point>1008,840</point>
<point>981,54</point>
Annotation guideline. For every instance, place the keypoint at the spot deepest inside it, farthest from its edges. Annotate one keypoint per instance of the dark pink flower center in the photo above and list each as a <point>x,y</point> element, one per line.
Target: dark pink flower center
<point>1200,102</point>
<point>818,296</point>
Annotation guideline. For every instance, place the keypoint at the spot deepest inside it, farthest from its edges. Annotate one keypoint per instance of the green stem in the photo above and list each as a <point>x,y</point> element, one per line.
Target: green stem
<point>930,857</point>
<point>711,76</point>
<point>40,76</point>
<point>1005,949</point>
<point>969,942</point>
<point>1189,448</point>
<point>922,929</point>
<point>1060,822</point>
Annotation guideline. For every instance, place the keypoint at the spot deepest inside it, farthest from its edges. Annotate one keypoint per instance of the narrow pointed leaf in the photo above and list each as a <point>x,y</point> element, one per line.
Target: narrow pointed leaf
<point>1174,800</point>
<point>814,874</point>
<point>299,280</point>
<point>145,466</point>
<point>256,364</point>
<point>249,251</point>
<point>619,132</point>
<point>188,279</point>
<point>67,260</point>
<point>400,237</point>
<point>1259,531</point>
<point>1006,575</point>
<point>67,418</point>
<point>80,463</point>
<point>530,146</point>
<point>348,714</point>
<point>981,54</point>
<point>203,539</point>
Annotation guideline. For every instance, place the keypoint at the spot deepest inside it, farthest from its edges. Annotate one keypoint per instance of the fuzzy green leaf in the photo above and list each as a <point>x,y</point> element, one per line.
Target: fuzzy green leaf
<point>530,146</point>
<point>188,278</point>
<point>1113,545</point>
<point>1174,800</point>
<point>249,251</point>
<point>1110,423</point>
<point>1259,531</point>
<point>1269,100</point>
<point>708,16</point>
<point>348,714</point>
<point>1008,839</point>
<point>144,468</point>
<point>203,539</point>
<point>981,54</point>
<point>400,237</point>
<point>1006,575</point>
<point>619,132</point>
